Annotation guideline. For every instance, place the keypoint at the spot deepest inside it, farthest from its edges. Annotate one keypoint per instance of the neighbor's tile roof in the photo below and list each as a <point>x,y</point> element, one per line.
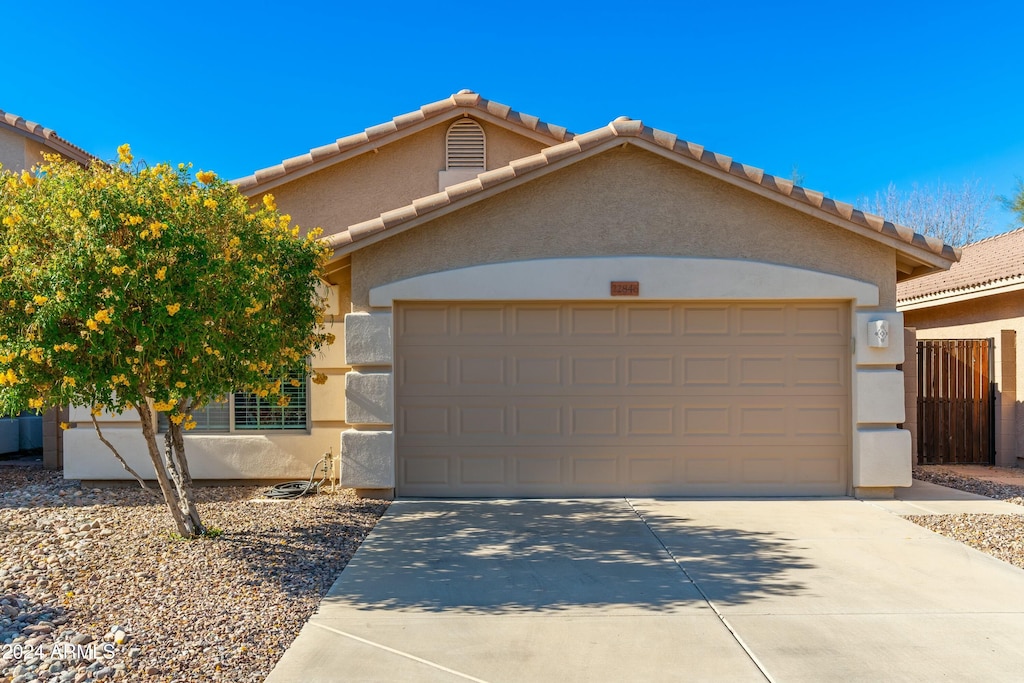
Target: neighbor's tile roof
<point>622,130</point>
<point>985,264</point>
<point>47,136</point>
<point>462,100</point>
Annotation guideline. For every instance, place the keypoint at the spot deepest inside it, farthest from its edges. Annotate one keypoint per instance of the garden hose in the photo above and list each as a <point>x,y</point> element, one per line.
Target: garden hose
<point>296,489</point>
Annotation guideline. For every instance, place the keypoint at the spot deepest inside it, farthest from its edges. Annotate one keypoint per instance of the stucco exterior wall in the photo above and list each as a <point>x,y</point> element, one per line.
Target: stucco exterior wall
<point>12,150</point>
<point>680,232</point>
<point>624,202</point>
<point>392,176</point>
<point>987,318</point>
<point>229,456</point>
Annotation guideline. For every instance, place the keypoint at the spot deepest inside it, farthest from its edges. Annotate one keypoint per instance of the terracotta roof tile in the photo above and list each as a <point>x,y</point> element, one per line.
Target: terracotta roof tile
<point>47,136</point>
<point>986,264</point>
<point>626,130</point>
<point>462,100</point>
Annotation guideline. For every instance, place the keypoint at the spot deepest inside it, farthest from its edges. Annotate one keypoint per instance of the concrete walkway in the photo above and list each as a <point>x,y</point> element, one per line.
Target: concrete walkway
<point>713,590</point>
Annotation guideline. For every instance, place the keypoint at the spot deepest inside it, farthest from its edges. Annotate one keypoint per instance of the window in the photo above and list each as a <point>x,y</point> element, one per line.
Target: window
<point>243,411</point>
<point>465,146</point>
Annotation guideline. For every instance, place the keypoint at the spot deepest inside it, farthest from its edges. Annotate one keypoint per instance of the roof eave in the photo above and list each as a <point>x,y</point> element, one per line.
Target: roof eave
<point>251,185</point>
<point>960,294</point>
<point>914,256</point>
<point>54,142</point>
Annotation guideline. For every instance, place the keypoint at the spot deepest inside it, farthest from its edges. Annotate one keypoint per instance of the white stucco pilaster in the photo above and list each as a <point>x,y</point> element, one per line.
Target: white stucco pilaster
<point>368,457</point>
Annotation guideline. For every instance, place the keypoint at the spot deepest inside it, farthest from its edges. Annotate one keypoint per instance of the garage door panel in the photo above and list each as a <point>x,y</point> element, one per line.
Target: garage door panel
<point>658,370</point>
<point>655,398</point>
<point>573,471</point>
<point>597,420</point>
<point>426,324</point>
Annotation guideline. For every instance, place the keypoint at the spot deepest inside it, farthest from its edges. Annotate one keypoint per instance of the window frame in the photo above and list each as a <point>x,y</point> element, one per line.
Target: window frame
<point>233,430</point>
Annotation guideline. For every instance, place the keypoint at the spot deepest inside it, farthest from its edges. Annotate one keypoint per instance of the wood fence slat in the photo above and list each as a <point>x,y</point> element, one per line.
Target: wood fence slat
<point>954,405</point>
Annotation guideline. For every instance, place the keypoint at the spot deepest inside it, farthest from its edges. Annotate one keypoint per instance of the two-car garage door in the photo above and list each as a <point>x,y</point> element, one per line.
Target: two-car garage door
<point>578,399</point>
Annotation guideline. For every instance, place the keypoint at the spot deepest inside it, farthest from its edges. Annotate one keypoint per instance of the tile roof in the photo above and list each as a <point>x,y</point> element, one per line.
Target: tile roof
<point>987,264</point>
<point>462,101</point>
<point>47,136</point>
<point>623,130</point>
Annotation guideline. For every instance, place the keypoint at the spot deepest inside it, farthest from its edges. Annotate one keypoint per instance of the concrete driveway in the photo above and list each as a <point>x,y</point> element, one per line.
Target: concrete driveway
<point>613,590</point>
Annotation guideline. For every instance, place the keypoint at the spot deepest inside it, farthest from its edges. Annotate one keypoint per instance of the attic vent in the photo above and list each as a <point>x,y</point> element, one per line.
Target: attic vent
<point>465,145</point>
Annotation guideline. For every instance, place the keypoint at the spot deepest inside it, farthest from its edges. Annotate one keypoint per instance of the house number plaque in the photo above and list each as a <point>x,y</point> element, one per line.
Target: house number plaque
<point>625,289</point>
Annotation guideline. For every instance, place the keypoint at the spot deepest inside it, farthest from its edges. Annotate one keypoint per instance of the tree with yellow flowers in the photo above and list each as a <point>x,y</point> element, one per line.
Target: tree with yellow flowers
<point>132,287</point>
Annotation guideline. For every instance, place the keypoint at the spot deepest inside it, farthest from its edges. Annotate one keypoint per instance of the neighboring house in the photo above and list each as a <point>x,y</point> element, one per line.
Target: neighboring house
<point>981,297</point>
<point>22,145</point>
<point>528,312</point>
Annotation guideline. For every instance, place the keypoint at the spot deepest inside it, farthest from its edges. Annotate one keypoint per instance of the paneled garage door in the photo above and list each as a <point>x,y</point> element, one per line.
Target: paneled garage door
<point>591,399</point>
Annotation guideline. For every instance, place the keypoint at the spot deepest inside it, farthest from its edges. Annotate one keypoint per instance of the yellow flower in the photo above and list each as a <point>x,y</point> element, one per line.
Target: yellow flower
<point>161,273</point>
<point>138,348</point>
<point>206,177</point>
<point>65,425</point>
<point>268,201</point>
<point>210,203</point>
<point>76,214</point>
<point>179,385</point>
<point>13,249</point>
<point>177,419</point>
<point>91,324</point>
<point>94,214</point>
<point>69,381</point>
<point>35,403</point>
<point>190,424</point>
<point>35,355</point>
<point>119,270</point>
<point>155,228</point>
<point>319,378</point>
<point>173,308</point>
<point>103,315</point>
<point>97,411</point>
<point>28,178</point>
<point>40,299</point>
<point>163,406</point>
<point>160,363</point>
<point>124,154</point>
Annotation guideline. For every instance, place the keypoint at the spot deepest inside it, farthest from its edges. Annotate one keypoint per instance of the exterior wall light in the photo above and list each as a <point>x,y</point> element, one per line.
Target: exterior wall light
<point>878,334</point>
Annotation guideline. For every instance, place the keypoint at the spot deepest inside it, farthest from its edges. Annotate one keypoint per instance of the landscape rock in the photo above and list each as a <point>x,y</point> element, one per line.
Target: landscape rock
<point>99,574</point>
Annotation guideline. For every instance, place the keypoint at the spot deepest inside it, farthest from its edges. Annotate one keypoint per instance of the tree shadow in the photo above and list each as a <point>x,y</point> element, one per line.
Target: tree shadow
<point>534,556</point>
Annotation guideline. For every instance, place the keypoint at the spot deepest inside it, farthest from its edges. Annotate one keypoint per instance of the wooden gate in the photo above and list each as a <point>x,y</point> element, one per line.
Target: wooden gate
<point>955,402</point>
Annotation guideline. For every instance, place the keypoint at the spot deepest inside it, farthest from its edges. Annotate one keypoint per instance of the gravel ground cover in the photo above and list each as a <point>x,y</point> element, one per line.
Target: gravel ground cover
<point>93,586</point>
<point>1001,536</point>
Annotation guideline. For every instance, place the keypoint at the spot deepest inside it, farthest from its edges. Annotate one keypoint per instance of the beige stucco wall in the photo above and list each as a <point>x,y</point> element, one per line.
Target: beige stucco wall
<point>239,455</point>
<point>367,185</point>
<point>12,150</point>
<point>986,318</point>
<point>623,202</point>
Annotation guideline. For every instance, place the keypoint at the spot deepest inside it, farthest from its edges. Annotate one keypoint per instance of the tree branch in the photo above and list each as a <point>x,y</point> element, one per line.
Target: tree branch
<point>117,455</point>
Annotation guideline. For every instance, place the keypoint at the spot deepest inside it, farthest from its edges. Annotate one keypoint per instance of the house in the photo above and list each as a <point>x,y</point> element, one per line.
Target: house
<point>526,312</point>
<point>22,145</point>
<point>981,297</point>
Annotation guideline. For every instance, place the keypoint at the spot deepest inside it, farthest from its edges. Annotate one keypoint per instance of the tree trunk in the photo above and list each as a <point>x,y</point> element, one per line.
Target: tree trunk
<point>182,521</point>
<point>182,478</point>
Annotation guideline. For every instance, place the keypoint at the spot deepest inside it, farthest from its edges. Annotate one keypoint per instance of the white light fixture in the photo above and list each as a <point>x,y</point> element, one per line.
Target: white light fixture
<point>878,334</point>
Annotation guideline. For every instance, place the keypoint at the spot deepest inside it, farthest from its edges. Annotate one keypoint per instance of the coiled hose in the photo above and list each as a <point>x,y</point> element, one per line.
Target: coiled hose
<point>296,489</point>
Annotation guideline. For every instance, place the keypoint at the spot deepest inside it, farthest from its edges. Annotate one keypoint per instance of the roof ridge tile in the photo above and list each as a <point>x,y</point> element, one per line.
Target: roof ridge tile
<point>48,136</point>
<point>628,128</point>
<point>465,99</point>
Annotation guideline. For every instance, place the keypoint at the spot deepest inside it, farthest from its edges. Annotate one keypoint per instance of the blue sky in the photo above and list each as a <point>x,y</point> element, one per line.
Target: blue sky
<point>855,95</point>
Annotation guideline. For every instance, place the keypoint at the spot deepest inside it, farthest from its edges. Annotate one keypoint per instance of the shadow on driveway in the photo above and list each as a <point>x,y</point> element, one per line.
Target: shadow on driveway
<point>538,556</point>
